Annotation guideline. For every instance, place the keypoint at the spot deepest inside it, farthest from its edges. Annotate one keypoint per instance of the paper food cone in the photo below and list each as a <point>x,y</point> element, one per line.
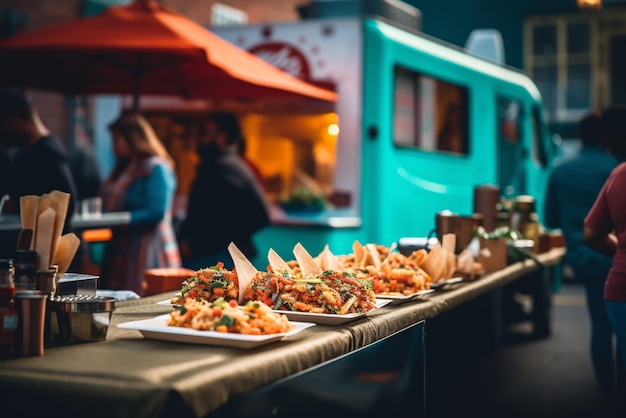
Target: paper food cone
<point>66,250</point>
<point>435,262</point>
<point>62,203</point>
<point>43,238</point>
<point>28,211</point>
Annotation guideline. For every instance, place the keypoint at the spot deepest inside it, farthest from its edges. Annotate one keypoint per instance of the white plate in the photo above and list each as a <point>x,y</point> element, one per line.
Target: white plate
<point>168,302</point>
<point>328,319</point>
<point>395,299</point>
<point>156,328</point>
<point>442,283</point>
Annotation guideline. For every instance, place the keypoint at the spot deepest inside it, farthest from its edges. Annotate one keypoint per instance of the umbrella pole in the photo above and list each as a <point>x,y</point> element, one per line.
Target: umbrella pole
<point>137,77</point>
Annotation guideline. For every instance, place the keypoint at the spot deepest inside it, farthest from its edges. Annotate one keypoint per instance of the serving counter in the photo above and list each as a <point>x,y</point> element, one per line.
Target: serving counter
<point>130,376</point>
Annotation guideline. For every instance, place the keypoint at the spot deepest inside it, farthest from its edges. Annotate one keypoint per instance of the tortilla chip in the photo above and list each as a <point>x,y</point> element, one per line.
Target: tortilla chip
<point>435,262</point>
<point>326,260</point>
<point>373,255</point>
<point>276,262</point>
<point>245,270</point>
<point>448,242</point>
<point>307,264</point>
<point>360,254</point>
<point>450,265</point>
<point>418,256</point>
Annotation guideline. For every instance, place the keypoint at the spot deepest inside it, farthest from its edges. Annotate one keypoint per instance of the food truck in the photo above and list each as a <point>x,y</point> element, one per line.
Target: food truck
<point>418,125</point>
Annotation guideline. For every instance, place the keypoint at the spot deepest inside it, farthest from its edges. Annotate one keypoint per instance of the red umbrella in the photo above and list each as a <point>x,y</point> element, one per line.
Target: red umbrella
<point>143,48</point>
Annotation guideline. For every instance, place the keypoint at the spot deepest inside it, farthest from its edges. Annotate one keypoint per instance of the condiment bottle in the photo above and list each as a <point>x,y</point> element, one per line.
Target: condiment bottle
<point>8,313</point>
<point>528,222</point>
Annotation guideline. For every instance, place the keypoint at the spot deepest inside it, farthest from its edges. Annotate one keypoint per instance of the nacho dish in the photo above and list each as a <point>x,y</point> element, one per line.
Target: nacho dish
<point>390,273</point>
<point>254,318</point>
<point>209,284</point>
<point>330,292</point>
<point>397,274</point>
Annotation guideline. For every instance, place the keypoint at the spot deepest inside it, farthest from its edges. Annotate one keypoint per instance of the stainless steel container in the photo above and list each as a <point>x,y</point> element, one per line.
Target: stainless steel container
<point>77,284</point>
<point>80,318</point>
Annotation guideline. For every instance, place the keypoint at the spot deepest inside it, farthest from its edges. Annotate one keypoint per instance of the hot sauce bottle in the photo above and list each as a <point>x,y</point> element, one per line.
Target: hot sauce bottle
<point>8,313</point>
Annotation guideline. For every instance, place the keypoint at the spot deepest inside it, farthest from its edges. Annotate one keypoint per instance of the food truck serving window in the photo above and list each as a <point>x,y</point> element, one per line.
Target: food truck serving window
<point>429,114</point>
<point>511,171</point>
<point>292,155</point>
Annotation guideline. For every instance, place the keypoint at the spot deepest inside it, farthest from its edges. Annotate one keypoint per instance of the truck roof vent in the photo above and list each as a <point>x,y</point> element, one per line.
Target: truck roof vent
<point>486,44</point>
<point>394,10</point>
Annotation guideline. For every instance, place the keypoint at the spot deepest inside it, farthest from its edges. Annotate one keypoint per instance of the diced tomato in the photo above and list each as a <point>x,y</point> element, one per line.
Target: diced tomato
<point>217,312</point>
<point>232,303</point>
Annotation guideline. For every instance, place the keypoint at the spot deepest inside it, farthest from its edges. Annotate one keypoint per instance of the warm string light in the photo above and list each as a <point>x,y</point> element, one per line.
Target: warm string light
<point>590,4</point>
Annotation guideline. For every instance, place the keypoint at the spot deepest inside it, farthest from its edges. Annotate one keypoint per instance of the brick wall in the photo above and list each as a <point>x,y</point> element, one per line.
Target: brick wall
<point>258,10</point>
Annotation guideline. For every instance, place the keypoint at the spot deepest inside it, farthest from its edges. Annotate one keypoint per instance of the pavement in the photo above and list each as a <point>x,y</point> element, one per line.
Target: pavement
<point>523,375</point>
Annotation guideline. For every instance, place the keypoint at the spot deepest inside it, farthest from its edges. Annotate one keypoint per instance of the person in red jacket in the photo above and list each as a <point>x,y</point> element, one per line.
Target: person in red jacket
<point>605,230</point>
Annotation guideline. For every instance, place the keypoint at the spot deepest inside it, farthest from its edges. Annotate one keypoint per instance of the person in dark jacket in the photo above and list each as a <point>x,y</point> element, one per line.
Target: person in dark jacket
<point>225,202</point>
<point>39,164</point>
<point>572,189</point>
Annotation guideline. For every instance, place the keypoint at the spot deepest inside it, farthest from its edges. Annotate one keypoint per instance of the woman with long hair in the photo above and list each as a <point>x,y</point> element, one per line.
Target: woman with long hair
<point>143,183</point>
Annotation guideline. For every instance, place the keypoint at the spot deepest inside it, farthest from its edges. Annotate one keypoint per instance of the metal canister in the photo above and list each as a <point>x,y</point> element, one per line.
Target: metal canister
<point>81,318</point>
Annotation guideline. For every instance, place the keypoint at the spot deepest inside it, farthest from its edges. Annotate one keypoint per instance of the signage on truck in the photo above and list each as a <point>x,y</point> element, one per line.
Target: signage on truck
<point>284,56</point>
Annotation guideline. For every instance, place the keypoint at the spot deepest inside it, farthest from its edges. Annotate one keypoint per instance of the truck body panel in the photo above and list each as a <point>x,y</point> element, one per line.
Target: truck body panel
<point>394,86</point>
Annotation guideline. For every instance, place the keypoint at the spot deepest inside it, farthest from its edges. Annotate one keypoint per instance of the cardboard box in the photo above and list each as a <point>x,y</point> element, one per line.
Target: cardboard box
<point>492,254</point>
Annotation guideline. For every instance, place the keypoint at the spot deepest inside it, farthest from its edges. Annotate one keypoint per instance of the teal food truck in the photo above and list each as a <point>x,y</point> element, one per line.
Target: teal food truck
<point>418,125</point>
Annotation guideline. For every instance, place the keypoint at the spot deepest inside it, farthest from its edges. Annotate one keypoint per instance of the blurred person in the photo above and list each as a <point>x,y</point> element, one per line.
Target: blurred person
<point>451,137</point>
<point>605,231</point>
<point>34,162</point>
<point>39,164</point>
<point>84,166</point>
<point>572,189</point>
<point>143,183</point>
<point>225,202</point>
